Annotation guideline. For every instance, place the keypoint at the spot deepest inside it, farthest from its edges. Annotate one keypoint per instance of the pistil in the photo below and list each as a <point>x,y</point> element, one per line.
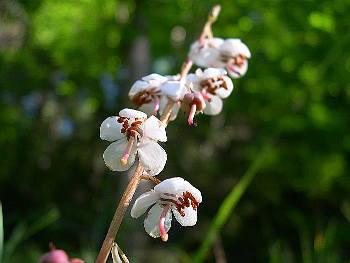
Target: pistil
<point>162,231</point>
<point>192,113</point>
<point>156,105</point>
<point>126,154</point>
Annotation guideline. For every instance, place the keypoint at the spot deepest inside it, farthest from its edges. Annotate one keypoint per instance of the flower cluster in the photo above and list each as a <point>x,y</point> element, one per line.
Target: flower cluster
<point>134,134</point>
<point>231,54</point>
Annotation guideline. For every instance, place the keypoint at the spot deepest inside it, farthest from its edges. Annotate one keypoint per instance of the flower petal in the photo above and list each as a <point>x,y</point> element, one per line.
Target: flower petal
<point>173,89</point>
<point>155,79</point>
<point>190,218</point>
<point>114,152</point>
<point>224,93</point>
<point>143,202</point>
<point>213,107</point>
<point>155,129</point>
<point>137,87</point>
<point>110,129</point>
<point>237,72</point>
<point>213,72</point>
<point>130,113</point>
<point>152,156</point>
<point>207,54</point>
<point>151,222</point>
<point>234,47</point>
<point>178,185</point>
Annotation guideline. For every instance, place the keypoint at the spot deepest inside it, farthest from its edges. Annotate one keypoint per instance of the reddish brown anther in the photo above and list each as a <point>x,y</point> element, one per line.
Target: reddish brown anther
<point>145,96</point>
<point>212,84</point>
<point>130,130</point>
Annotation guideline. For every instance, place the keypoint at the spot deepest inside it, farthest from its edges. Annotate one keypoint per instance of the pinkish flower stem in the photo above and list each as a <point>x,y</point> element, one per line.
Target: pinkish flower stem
<point>119,215</point>
<point>192,113</point>
<point>167,112</point>
<point>162,231</point>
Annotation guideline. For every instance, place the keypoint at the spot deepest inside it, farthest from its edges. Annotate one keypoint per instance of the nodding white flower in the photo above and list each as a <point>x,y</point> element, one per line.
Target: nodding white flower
<point>235,55</point>
<point>171,196</point>
<point>146,93</point>
<point>152,93</point>
<point>205,52</point>
<point>133,134</point>
<point>231,54</point>
<point>215,85</point>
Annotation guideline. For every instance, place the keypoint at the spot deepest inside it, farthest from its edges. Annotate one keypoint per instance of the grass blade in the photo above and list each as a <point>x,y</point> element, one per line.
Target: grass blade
<point>228,205</point>
<point>1,232</point>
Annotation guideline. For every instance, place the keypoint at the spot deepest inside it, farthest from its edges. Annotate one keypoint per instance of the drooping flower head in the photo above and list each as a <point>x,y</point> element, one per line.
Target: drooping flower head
<point>152,92</point>
<point>214,85</point>
<point>133,134</point>
<point>146,93</point>
<point>231,54</point>
<point>172,196</point>
<point>205,52</point>
<point>235,55</point>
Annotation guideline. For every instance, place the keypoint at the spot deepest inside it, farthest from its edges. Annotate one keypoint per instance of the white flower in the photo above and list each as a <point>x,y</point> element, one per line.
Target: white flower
<point>151,94</point>
<point>214,85</point>
<point>134,135</point>
<point>206,53</point>
<point>172,196</point>
<point>235,55</point>
<point>146,93</point>
<point>231,54</point>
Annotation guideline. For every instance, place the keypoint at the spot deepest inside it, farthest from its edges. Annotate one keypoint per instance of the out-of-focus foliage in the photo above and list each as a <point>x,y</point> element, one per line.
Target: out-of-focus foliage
<point>66,65</point>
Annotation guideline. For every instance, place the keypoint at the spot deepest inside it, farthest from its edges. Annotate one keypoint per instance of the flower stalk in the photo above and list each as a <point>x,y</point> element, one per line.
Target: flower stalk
<point>138,174</point>
<point>119,214</point>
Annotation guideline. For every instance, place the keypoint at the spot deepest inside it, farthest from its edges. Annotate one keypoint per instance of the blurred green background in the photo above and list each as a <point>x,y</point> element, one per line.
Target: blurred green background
<point>66,65</point>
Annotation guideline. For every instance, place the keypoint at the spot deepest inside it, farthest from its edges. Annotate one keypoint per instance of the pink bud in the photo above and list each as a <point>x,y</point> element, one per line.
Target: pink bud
<point>55,256</point>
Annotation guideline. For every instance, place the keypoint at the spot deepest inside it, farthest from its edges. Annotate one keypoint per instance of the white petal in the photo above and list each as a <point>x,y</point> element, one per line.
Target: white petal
<point>137,87</point>
<point>130,113</point>
<point>177,186</point>
<point>173,89</point>
<point>114,152</point>
<point>155,129</point>
<point>143,202</point>
<point>234,47</point>
<point>110,129</point>
<point>151,222</point>
<point>155,79</point>
<point>208,54</point>
<point>171,185</point>
<point>237,72</point>
<point>224,93</point>
<point>190,218</point>
<point>152,156</point>
<point>192,78</point>
<point>213,107</point>
<point>213,72</point>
